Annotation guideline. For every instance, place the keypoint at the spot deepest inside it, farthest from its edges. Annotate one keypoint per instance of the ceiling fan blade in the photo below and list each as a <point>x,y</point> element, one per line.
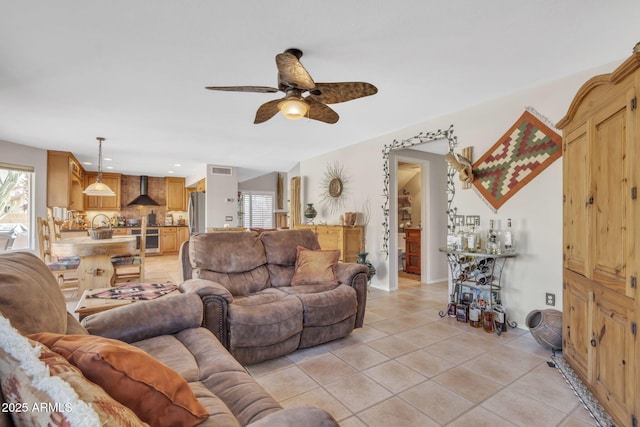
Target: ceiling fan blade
<point>261,89</point>
<point>267,111</point>
<point>291,73</point>
<point>321,112</point>
<point>333,93</point>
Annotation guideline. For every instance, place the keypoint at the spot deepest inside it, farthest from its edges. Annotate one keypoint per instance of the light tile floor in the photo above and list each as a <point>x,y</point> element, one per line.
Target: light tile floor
<point>409,367</point>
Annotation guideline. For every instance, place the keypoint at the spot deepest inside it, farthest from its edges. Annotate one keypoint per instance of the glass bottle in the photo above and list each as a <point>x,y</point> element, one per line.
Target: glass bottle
<point>458,239</point>
<point>472,239</point>
<point>508,238</point>
<point>500,318</point>
<point>492,239</point>
<point>487,321</point>
<point>451,237</point>
<point>475,314</point>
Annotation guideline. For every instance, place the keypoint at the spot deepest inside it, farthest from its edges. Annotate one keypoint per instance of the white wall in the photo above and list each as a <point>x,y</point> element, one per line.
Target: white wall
<point>222,198</point>
<point>37,158</point>
<point>536,210</point>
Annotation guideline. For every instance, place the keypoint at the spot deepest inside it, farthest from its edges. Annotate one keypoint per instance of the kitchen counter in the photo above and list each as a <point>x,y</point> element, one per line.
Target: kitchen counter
<point>127,227</point>
<point>150,226</point>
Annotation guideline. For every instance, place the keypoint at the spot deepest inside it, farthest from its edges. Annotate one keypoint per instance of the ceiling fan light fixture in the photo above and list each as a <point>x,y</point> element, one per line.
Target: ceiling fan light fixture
<point>99,188</point>
<point>293,108</point>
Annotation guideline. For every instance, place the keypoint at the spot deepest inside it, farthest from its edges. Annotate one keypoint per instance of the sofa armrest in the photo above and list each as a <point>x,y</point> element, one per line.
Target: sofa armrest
<point>297,416</point>
<point>184,264</point>
<point>73,328</point>
<point>147,319</point>
<point>204,287</point>
<point>215,299</point>
<point>355,275</point>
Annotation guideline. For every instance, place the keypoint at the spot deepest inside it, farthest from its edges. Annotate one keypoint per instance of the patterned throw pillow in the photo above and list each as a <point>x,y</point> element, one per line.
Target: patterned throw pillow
<point>156,393</point>
<point>41,388</point>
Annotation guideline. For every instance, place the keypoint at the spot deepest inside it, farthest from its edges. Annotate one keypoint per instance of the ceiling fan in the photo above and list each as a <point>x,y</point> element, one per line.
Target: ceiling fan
<point>295,81</point>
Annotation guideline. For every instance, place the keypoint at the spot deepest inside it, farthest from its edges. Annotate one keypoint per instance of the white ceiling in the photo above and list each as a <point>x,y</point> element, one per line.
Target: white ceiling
<point>134,71</point>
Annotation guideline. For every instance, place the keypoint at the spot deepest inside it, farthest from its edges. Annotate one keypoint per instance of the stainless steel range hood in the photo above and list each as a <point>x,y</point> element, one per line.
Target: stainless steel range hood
<point>143,198</point>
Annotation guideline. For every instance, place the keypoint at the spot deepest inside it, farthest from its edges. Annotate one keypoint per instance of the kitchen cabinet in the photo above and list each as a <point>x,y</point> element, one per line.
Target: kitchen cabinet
<point>182,235</point>
<point>112,203</point>
<point>601,237</point>
<point>412,250</point>
<point>282,219</point>
<point>168,240</point>
<point>201,186</point>
<point>121,231</point>
<point>347,239</point>
<point>65,181</point>
<point>175,193</point>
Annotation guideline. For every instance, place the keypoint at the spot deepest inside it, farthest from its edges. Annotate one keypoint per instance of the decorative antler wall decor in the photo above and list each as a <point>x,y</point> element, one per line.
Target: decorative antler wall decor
<point>463,166</point>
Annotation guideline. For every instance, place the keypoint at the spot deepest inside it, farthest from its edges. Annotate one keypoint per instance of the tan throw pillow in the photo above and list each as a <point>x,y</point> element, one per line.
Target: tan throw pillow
<point>315,267</point>
<point>154,392</point>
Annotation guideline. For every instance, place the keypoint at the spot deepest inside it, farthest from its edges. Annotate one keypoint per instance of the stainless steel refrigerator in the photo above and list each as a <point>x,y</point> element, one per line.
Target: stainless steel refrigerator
<point>197,212</point>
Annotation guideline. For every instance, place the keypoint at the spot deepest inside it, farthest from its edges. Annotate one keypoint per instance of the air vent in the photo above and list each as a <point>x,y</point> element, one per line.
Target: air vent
<point>217,170</point>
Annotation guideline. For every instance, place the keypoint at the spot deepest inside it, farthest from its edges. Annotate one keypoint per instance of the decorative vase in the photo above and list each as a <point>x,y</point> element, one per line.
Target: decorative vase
<point>350,218</point>
<point>310,213</point>
<point>362,259</point>
<point>546,328</point>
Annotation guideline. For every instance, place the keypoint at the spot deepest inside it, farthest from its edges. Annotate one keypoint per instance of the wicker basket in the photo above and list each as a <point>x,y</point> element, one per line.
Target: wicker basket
<point>100,233</point>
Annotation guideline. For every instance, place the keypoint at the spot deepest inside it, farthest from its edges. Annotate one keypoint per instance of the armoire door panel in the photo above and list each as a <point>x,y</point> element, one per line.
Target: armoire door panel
<point>576,335</point>
<point>576,201</point>
<point>611,191</point>
<point>615,356</point>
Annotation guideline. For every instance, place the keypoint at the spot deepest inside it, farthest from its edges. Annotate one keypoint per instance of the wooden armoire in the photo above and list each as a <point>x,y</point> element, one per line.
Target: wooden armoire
<point>601,238</point>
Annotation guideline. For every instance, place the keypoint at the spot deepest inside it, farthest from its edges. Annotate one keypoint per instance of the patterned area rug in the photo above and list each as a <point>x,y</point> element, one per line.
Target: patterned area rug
<point>590,403</point>
<point>136,291</point>
<point>527,149</point>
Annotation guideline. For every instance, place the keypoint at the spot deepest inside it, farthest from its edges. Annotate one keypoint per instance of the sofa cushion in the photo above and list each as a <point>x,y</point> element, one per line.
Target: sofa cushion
<point>158,395</point>
<point>264,318</point>
<point>325,304</point>
<point>236,260</point>
<point>280,246</point>
<point>219,414</point>
<point>243,283</point>
<point>201,359</point>
<point>226,252</point>
<point>315,267</point>
<point>30,295</point>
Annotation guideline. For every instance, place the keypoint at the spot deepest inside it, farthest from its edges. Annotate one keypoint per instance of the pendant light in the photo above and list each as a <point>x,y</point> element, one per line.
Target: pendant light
<point>98,188</point>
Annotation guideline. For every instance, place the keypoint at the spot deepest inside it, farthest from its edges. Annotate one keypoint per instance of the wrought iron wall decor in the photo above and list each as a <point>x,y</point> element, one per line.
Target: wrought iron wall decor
<point>421,138</point>
<point>333,186</point>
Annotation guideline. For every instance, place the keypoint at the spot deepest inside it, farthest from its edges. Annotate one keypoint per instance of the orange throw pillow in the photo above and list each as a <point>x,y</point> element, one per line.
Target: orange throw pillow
<point>315,267</point>
<point>153,391</point>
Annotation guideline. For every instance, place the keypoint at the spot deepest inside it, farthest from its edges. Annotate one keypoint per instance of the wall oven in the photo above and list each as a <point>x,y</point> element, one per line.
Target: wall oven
<point>152,241</point>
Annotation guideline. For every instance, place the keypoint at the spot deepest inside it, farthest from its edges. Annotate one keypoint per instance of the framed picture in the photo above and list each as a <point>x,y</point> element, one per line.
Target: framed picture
<point>473,220</point>
<point>458,220</point>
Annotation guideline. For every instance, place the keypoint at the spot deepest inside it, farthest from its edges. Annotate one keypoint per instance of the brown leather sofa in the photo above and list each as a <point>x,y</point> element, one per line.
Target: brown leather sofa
<point>169,329</point>
<point>244,280</point>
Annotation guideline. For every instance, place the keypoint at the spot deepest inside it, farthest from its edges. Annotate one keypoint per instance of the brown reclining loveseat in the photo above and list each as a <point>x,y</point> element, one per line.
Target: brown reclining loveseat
<point>245,282</point>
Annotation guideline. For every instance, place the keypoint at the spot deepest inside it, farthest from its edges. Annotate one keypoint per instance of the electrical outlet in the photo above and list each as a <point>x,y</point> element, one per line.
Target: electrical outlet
<point>550,298</point>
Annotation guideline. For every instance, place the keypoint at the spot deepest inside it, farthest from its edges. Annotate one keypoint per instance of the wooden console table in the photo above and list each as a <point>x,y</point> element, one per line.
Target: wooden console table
<point>349,240</point>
